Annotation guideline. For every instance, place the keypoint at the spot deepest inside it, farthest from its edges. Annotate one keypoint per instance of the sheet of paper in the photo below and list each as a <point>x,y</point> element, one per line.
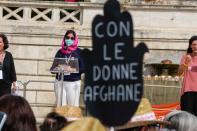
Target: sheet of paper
<point>1,74</point>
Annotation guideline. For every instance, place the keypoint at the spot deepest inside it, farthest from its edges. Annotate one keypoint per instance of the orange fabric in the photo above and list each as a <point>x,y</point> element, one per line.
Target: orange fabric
<point>166,105</point>
<point>163,109</point>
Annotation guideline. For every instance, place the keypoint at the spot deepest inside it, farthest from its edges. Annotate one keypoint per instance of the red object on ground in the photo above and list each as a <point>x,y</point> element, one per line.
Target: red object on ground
<point>163,109</point>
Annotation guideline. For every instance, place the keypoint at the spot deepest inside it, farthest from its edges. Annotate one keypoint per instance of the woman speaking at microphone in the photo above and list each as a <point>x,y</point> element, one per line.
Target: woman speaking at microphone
<point>71,82</point>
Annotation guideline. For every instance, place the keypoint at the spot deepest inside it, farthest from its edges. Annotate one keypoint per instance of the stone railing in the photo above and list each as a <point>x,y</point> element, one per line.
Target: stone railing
<point>41,12</point>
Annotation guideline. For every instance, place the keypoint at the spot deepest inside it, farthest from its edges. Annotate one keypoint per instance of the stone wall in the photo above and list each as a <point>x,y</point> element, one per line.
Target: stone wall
<point>35,34</point>
<point>164,28</point>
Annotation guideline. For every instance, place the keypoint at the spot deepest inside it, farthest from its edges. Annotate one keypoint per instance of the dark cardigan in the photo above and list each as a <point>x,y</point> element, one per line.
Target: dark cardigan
<point>9,73</point>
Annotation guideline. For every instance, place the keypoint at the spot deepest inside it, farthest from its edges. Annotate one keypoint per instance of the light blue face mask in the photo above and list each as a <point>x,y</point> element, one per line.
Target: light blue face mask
<point>69,42</point>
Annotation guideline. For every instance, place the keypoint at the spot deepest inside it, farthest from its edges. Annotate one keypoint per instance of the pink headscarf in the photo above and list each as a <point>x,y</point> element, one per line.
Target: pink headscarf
<point>71,48</point>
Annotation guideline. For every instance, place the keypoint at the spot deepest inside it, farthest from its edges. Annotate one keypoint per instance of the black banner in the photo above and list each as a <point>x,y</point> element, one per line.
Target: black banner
<point>113,75</point>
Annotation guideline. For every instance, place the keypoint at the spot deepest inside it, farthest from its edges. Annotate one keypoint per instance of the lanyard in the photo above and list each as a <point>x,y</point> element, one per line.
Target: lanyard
<point>68,59</point>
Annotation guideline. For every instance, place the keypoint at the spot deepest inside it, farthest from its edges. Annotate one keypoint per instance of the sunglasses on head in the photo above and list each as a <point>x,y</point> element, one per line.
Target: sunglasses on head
<point>67,37</point>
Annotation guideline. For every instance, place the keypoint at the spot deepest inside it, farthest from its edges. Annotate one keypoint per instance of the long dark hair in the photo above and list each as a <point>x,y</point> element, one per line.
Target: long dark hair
<point>189,49</point>
<point>20,116</point>
<point>5,41</point>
